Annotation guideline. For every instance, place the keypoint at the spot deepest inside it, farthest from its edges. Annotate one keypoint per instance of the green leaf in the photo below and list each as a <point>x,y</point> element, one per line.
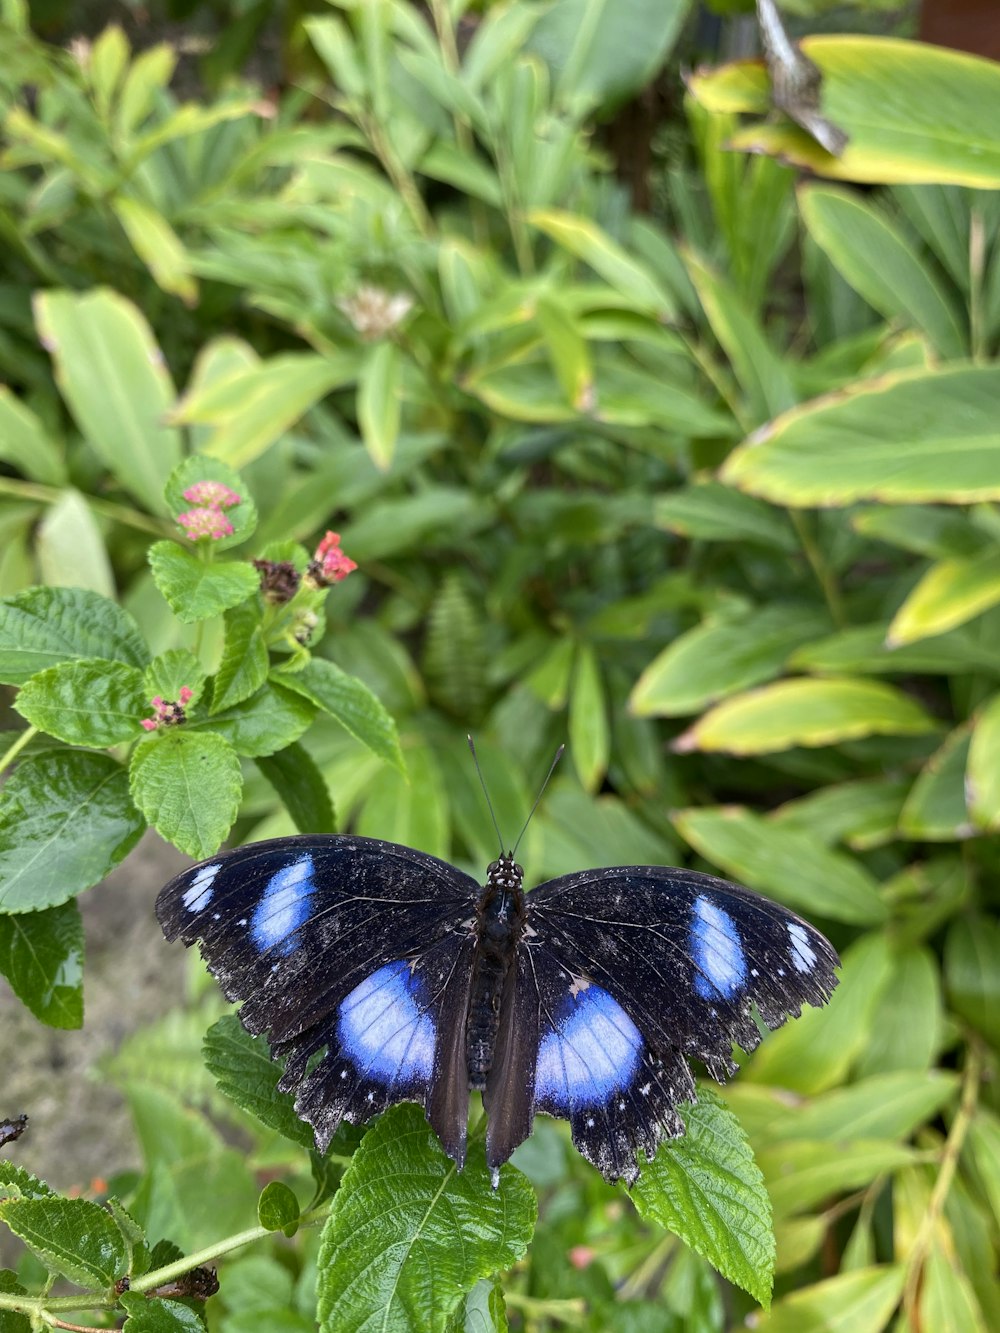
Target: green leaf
<point>982,784</point>
<point>158,246</point>
<point>584,239</point>
<point>947,1301</point>
<point>874,257</point>
<point>589,731</point>
<point>721,656</point>
<point>41,955</point>
<point>16,1183</point>
<point>113,377</point>
<point>169,673</point>
<point>801,1174</point>
<point>707,1189</point>
<point>200,467</point>
<point>971,975</point>
<point>188,784</point>
<point>133,1236</point>
<point>909,437</point>
<point>982,1149</point>
<point>485,1310</point>
<point>454,662</point>
<point>816,1051</point>
<point>72,1237</point>
<point>65,821</point>
<point>159,1315</point>
<point>43,627</point>
<point>950,593</point>
<point>805,712</point>
<point>242,1067</point>
<point>196,590</point>
<point>379,389</point>
<point>88,702</point>
<point>268,721</point>
<point>863,814</point>
<point>70,546</point>
<point>10,1320</point>
<point>26,444</point>
<point>395,1219</point>
<point>861,1301</point>
<point>716,513</point>
<point>567,351</point>
<point>278,1208</point>
<point>245,661</point>
<point>935,810</point>
<point>410,808</point>
<point>863,649</point>
<point>931,530</point>
<point>789,864</point>
<point>603,53</point>
<point>295,776</point>
<point>352,703</point>
<point>907,1030</point>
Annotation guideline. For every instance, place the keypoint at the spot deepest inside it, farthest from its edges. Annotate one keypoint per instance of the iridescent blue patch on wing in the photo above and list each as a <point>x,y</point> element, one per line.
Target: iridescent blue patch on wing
<point>720,963</point>
<point>284,907</point>
<point>592,1052</point>
<point>383,1028</point>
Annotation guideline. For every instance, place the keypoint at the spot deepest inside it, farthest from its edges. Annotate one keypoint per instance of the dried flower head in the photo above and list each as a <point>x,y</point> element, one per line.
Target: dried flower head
<point>202,523</point>
<point>279,580</point>
<point>212,494</point>
<point>168,712</point>
<point>373,311</point>
<point>329,564</point>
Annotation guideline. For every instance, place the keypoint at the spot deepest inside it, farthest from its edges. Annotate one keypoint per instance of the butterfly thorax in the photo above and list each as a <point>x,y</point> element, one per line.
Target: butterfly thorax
<point>500,920</point>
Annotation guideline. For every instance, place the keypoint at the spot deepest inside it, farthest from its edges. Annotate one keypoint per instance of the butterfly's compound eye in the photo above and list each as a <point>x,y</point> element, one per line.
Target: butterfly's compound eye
<point>493,868</point>
<point>518,871</point>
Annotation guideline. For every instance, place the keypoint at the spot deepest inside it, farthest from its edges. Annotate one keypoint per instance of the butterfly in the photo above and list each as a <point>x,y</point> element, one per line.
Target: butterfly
<point>381,974</point>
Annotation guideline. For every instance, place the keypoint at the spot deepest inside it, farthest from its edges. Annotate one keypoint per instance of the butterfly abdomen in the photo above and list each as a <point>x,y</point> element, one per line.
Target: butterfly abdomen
<point>499,924</point>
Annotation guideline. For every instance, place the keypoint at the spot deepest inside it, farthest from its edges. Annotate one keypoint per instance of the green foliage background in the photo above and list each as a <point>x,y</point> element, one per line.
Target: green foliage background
<point>711,491</point>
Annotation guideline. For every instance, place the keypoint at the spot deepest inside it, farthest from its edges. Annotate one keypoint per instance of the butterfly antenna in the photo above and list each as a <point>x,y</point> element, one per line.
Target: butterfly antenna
<point>552,767</point>
<point>482,783</point>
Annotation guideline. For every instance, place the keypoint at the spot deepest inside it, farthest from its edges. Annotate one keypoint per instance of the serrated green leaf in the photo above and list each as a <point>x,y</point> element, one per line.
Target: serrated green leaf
<point>589,731</point>
<point>72,1237</point>
<point>159,1316</point>
<point>295,776</point>
<point>188,785</point>
<point>351,702</point>
<point>90,702</point>
<point>66,820</point>
<point>16,1183</point>
<point>171,671</point>
<point>196,590</point>
<point>243,1069</point>
<point>41,955</point>
<point>10,1320</point>
<point>857,1302</point>
<point>707,1189</point>
<point>721,656</point>
<point>805,712</point>
<point>244,665</point>
<point>786,863</point>
<point>43,627</point>
<point>971,975</point>
<point>278,1208</point>
<point>199,467</point>
<point>395,1218</point>
<point>270,720</point>
<point>133,1237</point>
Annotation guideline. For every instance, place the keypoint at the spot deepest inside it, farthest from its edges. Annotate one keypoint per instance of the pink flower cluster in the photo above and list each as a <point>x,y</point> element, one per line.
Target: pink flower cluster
<point>168,712</point>
<point>210,498</point>
<point>329,563</point>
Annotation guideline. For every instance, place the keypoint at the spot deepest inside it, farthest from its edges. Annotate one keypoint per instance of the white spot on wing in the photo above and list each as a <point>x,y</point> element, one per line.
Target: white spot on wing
<point>720,964</point>
<point>802,952</point>
<point>199,893</point>
<point>284,906</point>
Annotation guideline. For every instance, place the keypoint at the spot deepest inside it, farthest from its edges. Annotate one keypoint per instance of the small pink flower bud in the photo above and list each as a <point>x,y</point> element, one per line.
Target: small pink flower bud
<point>329,563</point>
<point>204,522</point>
<point>186,694</point>
<point>168,713</point>
<point>212,494</point>
<point>148,724</point>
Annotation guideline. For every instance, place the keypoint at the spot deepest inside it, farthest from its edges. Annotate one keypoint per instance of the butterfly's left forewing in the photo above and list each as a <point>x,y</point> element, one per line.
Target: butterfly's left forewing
<point>633,970</point>
<point>353,956</point>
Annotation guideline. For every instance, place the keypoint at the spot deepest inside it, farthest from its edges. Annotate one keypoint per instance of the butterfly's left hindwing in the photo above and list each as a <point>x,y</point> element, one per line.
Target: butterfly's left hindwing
<point>352,955</point>
<point>633,970</point>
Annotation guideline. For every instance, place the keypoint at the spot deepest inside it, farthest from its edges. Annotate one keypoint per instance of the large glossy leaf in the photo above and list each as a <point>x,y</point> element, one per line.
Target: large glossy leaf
<point>912,112</point>
<point>910,437</point>
<point>949,594</point>
<point>861,1301</point>
<point>41,955</point>
<point>113,376</point>
<point>73,1237</point>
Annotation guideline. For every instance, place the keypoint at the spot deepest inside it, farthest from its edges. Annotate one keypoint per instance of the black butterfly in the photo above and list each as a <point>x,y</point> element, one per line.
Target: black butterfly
<point>584,998</point>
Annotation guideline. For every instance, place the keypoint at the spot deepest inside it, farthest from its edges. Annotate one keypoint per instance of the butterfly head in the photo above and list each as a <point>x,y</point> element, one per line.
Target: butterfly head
<point>504,873</point>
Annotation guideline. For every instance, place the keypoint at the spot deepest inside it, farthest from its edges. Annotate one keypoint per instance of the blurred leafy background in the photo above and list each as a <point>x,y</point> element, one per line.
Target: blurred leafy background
<point>638,442</point>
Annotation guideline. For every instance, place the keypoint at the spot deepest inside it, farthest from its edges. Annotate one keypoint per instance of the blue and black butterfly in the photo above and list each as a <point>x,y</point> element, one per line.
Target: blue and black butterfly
<point>381,974</point>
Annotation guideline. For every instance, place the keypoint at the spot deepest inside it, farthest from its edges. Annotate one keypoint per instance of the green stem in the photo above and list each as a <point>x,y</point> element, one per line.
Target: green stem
<point>566,1312</point>
<point>977,263</point>
<point>47,495</point>
<point>14,750</point>
<point>824,575</point>
<point>949,1164</point>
